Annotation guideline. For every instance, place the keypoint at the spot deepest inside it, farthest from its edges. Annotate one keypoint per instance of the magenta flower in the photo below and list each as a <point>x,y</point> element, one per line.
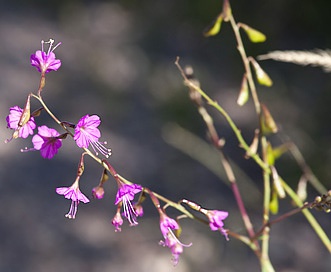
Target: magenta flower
<point>46,62</point>
<point>47,141</point>
<point>167,225</point>
<point>87,133</point>
<point>117,221</point>
<point>125,194</point>
<point>13,119</point>
<point>73,192</point>
<point>216,221</point>
<point>98,192</point>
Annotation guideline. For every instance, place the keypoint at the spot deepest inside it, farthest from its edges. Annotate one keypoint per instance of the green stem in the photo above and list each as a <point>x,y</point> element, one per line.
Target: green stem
<point>235,129</point>
<point>310,218</point>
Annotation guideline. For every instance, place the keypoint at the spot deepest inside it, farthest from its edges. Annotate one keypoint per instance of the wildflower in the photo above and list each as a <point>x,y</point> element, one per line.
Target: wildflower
<point>47,141</point>
<point>125,195</point>
<point>98,192</point>
<point>117,221</point>
<point>87,133</point>
<point>167,225</point>
<point>21,130</point>
<point>46,62</point>
<point>216,220</point>
<point>73,192</point>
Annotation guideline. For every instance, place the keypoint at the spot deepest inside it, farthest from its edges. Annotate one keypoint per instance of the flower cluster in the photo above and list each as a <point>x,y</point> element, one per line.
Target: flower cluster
<point>86,134</point>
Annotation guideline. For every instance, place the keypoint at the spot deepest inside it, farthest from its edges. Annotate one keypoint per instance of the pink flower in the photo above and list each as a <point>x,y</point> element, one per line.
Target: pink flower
<point>216,221</point>
<point>125,194</point>
<point>167,225</point>
<point>45,62</point>
<point>73,192</point>
<point>47,141</point>
<point>98,192</point>
<point>87,133</point>
<point>117,221</point>
<point>13,119</point>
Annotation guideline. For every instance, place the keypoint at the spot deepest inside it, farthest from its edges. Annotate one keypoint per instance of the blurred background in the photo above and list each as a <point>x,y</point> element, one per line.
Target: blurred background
<point>118,62</point>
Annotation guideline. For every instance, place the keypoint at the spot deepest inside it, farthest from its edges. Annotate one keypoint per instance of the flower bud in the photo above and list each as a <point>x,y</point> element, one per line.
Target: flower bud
<point>254,35</point>
<point>254,145</point>
<point>277,183</point>
<point>268,122</point>
<point>98,192</point>
<point>214,28</point>
<point>261,76</point>
<point>244,92</point>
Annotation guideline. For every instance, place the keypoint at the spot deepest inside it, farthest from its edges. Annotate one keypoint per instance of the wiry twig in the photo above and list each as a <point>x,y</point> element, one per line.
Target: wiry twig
<point>316,58</point>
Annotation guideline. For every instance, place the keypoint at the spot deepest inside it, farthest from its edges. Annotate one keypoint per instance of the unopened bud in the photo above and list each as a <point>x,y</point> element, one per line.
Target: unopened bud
<point>302,188</point>
<point>214,28</point>
<point>98,192</point>
<point>244,92</point>
<point>254,35</point>
<point>277,183</point>
<point>318,199</point>
<point>254,145</point>
<point>261,76</point>
<point>268,122</point>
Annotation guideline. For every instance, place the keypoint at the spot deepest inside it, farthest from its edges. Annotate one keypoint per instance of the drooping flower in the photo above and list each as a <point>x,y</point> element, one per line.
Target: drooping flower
<point>125,194</point>
<point>46,61</point>
<point>167,225</point>
<point>73,192</point>
<point>216,221</point>
<point>117,221</point>
<point>13,120</point>
<point>87,133</point>
<point>47,141</point>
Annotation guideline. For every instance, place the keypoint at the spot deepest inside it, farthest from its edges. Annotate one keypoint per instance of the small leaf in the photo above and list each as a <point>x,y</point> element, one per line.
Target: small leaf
<point>280,150</point>
<point>261,76</point>
<point>254,145</point>
<point>244,92</point>
<point>254,35</point>
<point>268,122</point>
<point>214,28</point>
<point>277,183</point>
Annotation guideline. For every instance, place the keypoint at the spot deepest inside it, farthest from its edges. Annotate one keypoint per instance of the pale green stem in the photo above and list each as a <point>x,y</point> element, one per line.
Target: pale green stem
<point>266,212</point>
<point>310,218</point>
<point>245,60</point>
<point>235,129</point>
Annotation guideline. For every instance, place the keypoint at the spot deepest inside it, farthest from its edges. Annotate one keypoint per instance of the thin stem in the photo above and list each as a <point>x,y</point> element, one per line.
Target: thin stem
<point>311,219</point>
<point>245,60</point>
<point>233,126</point>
